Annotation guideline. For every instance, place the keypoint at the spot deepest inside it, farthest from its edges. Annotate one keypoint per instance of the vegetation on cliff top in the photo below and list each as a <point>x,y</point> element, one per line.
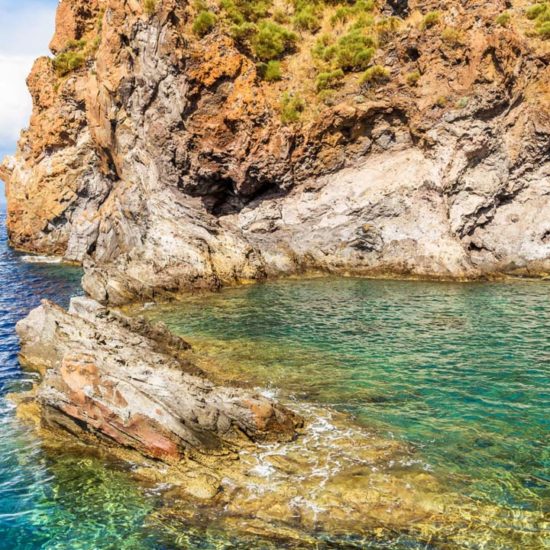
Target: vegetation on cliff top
<point>314,47</point>
<point>204,23</point>
<point>540,14</point>
<point>73,56</point>
<point>325,42</point>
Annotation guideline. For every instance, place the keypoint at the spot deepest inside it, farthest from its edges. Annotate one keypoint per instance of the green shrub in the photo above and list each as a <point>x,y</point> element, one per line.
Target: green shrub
<point>244,33</point>
<point>544,30</point>
<point>72,57</point>
<point>307,19</point>
<point>74,45</point>
<point>413,78</point>
<point>94,46</point>
<point>543,17</point>
<point>364,6</point>
<point>232,12</point>
<point>149,6</point>
<point>503,20</point>
<point>540,13</point>
<point>536,10</point>
<point>281,17</point>
<point>272,41</point>
<point>68,61</point>
<point>321,44</point>
<point>246,10</point>
<point>270,71</point>
<point>462,103</point>
<point>431,19</point>
<point>292,106</point>
<point>441,101</point>
<point>204,23</point>
<point>375,75</point>
<point>386,28</point>
<point>361,9</point>
<point>328,79</point>
<point>452,37</point>
<point>354,51</point>
<point>254,10</point>
<point>330,53</point>
<point>362,22</point>
<point>341,15</point>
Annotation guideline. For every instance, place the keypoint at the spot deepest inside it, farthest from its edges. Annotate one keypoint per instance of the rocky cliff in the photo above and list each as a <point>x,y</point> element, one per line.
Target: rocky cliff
<point>175,144</point>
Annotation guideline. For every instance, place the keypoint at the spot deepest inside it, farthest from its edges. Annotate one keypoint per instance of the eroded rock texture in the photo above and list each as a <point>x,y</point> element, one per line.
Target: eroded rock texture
<point>129,383</point>
<point>162,162</point>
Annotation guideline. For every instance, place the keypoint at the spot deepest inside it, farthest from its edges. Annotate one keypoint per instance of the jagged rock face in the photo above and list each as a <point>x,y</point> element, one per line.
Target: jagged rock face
<point>128,382</point>
<point>162,164</point>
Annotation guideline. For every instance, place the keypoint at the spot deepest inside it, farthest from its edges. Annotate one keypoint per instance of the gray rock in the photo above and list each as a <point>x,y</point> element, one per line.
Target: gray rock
<point>128,382</point>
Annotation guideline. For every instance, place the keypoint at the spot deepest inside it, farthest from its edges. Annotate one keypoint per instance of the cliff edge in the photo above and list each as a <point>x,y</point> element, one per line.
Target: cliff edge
<point>177,144</point>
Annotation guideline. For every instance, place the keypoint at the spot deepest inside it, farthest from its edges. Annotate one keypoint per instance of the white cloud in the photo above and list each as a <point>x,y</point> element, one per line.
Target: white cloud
<point>15,101</point>
<point>27,27</point>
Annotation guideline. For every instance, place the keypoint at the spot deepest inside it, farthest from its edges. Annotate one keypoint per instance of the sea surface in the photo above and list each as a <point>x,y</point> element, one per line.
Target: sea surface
<point>460,372</point>
<point>54,502</point>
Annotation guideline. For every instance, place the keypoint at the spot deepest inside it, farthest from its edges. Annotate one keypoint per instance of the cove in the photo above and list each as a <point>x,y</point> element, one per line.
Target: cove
<point>458,372</point>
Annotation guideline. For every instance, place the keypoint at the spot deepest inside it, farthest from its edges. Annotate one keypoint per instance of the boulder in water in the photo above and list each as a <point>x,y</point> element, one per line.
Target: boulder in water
<point>128,382</point>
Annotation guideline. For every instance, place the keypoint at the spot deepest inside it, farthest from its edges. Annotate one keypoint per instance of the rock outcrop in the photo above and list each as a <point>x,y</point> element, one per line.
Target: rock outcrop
<point>127,382</point>
<point>160,160</point>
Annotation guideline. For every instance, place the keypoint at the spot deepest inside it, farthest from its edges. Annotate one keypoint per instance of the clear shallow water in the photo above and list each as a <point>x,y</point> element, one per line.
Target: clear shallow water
<point>461,371</point>
<point>54,502</point>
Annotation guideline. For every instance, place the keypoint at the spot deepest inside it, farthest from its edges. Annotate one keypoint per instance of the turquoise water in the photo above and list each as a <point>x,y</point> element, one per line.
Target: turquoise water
<point>461,371</point>
<point>63,501</point>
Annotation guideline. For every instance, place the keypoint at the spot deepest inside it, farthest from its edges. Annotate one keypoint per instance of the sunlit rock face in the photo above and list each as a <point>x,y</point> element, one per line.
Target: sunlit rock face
<point>161,161</point>
<point>128,382</point>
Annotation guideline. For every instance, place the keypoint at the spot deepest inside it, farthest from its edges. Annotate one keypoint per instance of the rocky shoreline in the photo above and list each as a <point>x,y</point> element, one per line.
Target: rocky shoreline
<point>120,385</point>
<point>124,381</point>
<point>162,164</point>
<point>160,160</point>
<point>135,396</point>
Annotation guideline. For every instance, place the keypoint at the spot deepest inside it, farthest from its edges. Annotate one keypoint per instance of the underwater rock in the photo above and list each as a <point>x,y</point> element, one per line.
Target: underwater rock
<point>129,383</point>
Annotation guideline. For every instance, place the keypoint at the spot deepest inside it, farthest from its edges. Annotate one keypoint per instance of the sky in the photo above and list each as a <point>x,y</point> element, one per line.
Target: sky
<point>26,29</point>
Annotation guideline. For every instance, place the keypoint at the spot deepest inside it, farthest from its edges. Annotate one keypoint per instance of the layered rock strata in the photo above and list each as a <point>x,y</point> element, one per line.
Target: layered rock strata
<point>126,382</point>
<point>162,163</point>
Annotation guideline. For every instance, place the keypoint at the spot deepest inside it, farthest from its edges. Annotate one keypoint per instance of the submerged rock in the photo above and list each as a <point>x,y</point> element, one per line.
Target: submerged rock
<point>127,382</point>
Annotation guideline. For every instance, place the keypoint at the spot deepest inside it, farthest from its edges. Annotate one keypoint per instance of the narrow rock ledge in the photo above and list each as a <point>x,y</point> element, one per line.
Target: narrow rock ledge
<point>128,382</point>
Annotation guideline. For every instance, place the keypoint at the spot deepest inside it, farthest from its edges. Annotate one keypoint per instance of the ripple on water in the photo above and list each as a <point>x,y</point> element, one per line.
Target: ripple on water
<point>48,502</point>
<point>460,372</point>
